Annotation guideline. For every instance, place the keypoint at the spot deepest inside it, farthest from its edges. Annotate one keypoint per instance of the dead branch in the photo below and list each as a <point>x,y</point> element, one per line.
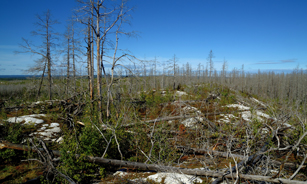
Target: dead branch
<point>299,168</point>
<point>187,150</point>
<point>251,160</point>
<point>211,124</point>
<point>211,152</point>
<point>169,118</point>
<point>47,159</point>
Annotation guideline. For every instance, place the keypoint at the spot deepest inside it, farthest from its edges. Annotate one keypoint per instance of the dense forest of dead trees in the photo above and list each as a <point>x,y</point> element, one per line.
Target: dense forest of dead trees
<point>215,123</point>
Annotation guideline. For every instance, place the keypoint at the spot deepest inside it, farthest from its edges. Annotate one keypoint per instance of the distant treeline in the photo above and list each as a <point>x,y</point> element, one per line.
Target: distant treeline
<point>24,77</point>
<point>17,77</point>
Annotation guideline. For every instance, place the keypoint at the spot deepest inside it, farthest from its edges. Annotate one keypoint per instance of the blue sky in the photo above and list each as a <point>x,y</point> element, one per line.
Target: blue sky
<point>261,34</point>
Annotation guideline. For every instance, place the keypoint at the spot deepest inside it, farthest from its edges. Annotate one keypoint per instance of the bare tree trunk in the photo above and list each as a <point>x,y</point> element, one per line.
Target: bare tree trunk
<point>155,71</point>
<point>98,41</point>
<point>68,65</point>
<point>92,58</point>
<point>73,58</point>
<point>211,67</point>
<point>40,85</point>
<point>48,60</point>
<point>144,76</point>
<point>174,69</point>
<point>89,62</point>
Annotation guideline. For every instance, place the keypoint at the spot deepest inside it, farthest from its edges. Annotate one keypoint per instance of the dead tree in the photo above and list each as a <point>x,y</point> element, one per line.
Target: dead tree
<point>104,20</point>
<point>44,24</point>
<point>172,65</point>
<point>211,66</point>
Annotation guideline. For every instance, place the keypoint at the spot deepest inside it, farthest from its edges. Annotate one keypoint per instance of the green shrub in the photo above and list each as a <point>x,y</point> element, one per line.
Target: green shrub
<point>13,133</point>
<point>161,151</point>
<point>89,142</point>
<point>227,97</point>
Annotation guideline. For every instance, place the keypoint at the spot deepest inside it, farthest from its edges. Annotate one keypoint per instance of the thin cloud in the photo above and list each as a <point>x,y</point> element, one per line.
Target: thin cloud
<point>276,62</point>
<point>265,62</point>
<point>288,60</point>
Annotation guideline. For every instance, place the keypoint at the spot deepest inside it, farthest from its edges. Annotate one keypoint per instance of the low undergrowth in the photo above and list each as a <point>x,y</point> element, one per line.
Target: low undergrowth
<point>125,134</point>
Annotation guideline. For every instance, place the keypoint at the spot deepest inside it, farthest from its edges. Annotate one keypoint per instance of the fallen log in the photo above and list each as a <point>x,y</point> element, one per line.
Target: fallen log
<point>211,124</point>
<point>169,118</point>
<point>211,152</point>
<point>55,102</point>
<point>9,109</point>
<point>156,167</point>
<point>159,119</point>
<point>186,116</point>
<point>8,145</point>
<point>227,155</point>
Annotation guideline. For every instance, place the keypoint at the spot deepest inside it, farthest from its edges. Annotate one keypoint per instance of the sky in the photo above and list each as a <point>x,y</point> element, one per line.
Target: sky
<point>259,34</point>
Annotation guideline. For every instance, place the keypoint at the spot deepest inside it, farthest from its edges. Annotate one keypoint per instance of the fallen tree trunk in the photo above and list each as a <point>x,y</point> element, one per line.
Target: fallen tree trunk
<point>156,167</point>
<point>187,116</point>
<point>211,124</point>
<point>159,119</point>
<point>22,147</point>
<point>213,153</point>
<point>227,155</point>
<point>56,102</point>
<point>169,118</point>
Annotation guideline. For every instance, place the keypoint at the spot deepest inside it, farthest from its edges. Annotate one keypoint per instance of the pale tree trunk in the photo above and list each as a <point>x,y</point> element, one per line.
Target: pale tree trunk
<point>49,75</point>
<point>41,82</point>
<point>89,63</point>
<point>98,41</point>
<point>109,94</point>
<point>72,54</point>
<point>243,79</point>
<point>93,10</point>
<point>73,59</point>
<point>155,71</point>
<point>92,58</point>
<point>224,70</point>
<point>48,56</point>
<point>144,76</point>
<point>68,65</point>
<point>211,67</point>
<point>109,83</point>
<point>198,73</point>
<point>163,77</point>
<point>174,68</point>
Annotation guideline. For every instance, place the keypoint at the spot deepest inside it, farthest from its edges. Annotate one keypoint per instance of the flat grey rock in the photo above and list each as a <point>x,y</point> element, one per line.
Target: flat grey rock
<point>28,119</point>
